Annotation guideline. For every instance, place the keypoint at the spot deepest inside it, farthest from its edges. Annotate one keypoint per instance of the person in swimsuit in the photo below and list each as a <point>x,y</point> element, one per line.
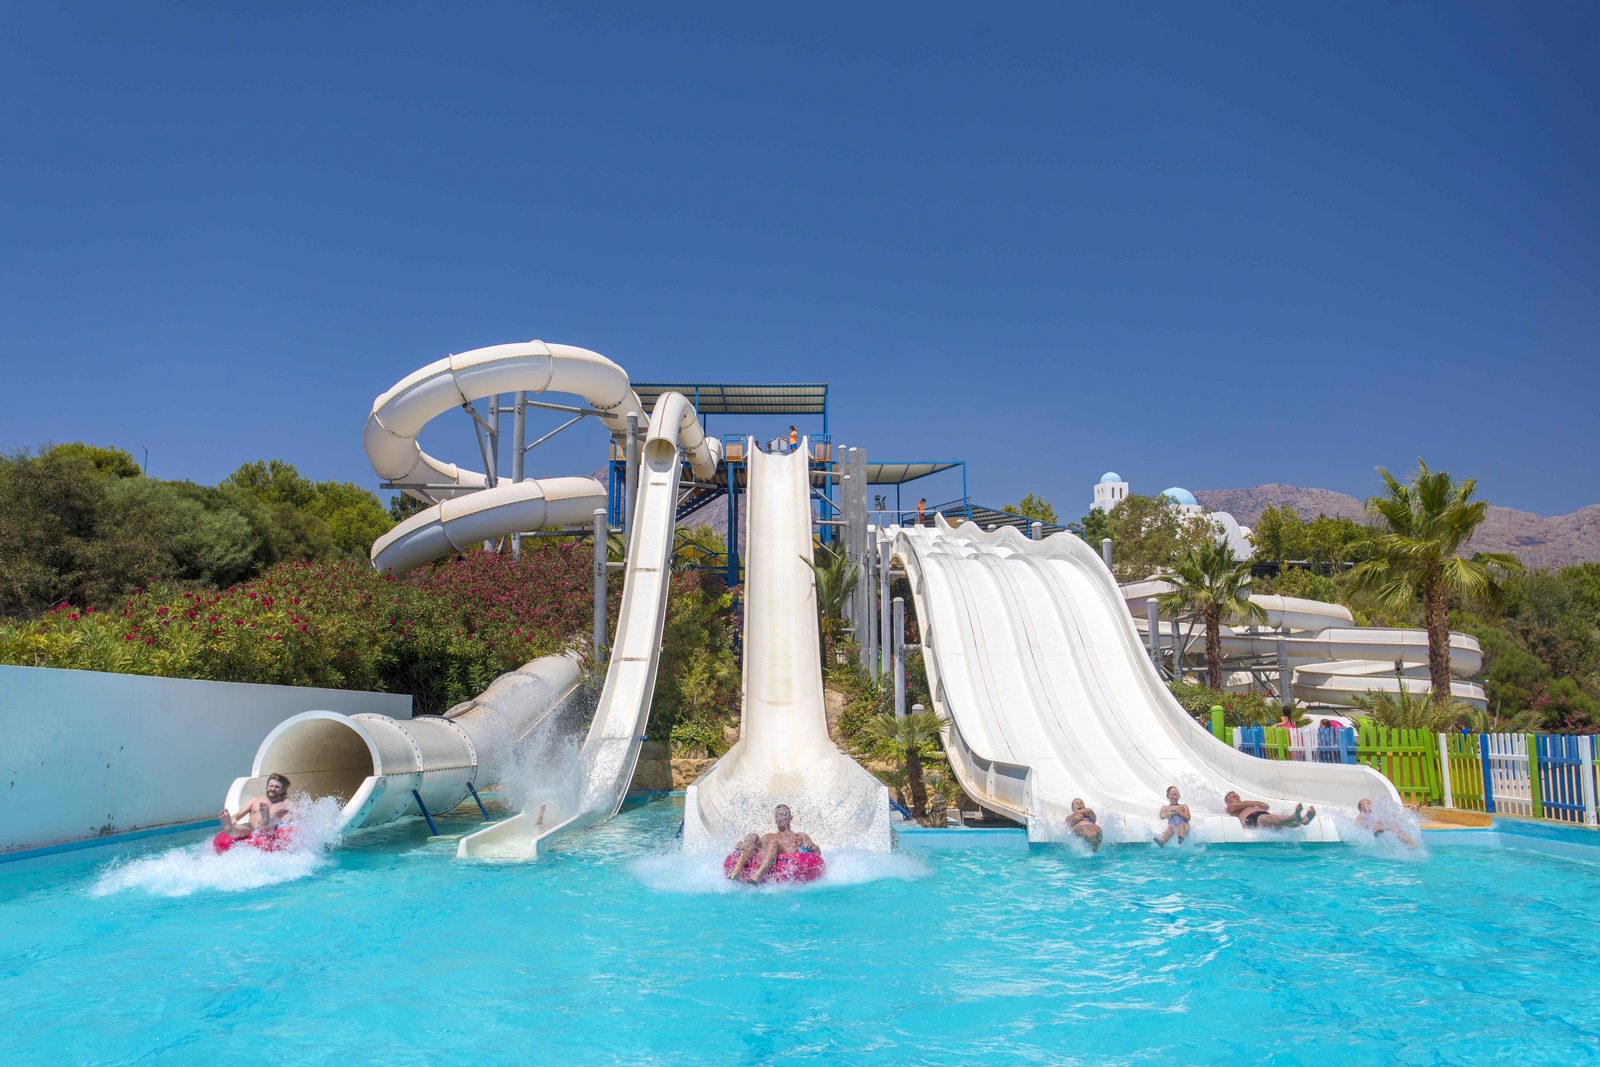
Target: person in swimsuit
<point>773,845</point>
<point>922,506</point>
<point>1368,821</point>
<point>1255,815</point>
<point>1081,821</point>
<point>259,814</point>
<point>1177,816</point>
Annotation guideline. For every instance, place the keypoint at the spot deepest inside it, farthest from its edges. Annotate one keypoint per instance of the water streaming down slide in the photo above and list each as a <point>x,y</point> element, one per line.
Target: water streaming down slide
<point>784,754</point>
<point>1032,656</point>
<point>611,749</point>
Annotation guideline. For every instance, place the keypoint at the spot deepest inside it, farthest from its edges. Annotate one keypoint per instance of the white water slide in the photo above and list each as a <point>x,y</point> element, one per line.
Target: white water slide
<point>383,769</point>
<point>1034,660</point>
<point>784,754</point>
<point>1334,660</point>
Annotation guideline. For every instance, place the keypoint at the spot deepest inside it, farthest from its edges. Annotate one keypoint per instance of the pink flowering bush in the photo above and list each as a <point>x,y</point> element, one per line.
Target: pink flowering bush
<point>441,633</point>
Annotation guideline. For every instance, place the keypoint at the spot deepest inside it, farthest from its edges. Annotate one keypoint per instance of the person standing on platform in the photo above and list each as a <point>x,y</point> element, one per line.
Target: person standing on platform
<point>922,506</point>
<point>794,439</point>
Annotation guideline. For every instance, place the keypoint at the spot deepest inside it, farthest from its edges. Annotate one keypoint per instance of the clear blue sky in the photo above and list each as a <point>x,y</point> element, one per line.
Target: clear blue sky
<point>1206,246</point>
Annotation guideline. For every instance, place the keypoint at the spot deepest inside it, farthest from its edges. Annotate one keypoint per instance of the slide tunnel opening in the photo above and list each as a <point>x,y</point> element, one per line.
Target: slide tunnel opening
<point>325,757</point>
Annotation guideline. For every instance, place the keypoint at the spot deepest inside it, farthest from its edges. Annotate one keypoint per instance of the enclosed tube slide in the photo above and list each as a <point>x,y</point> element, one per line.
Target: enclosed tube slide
<point>1032,656</point>
<point>377,767</point>
<point>611,748</point>
<point>374,764</point>
<point>784,754</point>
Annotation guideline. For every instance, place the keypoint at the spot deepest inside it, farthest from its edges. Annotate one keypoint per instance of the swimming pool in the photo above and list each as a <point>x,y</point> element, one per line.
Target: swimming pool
<point>615,948</point>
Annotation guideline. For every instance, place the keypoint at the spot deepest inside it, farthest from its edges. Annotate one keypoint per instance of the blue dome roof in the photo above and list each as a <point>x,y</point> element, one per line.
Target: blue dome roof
<point>1180,495</point>
<point>1110,476</point>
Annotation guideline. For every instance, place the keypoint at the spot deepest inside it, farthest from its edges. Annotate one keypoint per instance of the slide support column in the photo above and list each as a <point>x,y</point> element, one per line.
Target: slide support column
<point>519,434</point>
<point>1153,631</point>
<point>630,484</point>
<point>1285,689</point>
<point>884,647</point>
<point>1105,551</point>
<point>600,532</point>
<point>899,657</point>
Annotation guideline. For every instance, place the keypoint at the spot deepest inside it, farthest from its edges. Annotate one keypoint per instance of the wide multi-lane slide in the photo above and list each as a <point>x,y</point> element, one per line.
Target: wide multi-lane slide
<point>1034,660</point>
<point>784,754</point>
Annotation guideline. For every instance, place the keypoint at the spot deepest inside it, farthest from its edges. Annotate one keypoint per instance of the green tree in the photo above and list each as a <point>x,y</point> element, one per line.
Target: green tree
<point>1416,552</point>
<point>1034,508</point>
<point>835,581</point>
<point>402,507</point>
<point>1210,583</point>
<point>1148,533</point>
<point>110,462</point>
<point>1096,526</point>
<point>908,742</point>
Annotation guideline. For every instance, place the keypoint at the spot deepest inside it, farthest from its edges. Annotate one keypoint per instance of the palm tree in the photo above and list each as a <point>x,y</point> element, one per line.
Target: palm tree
<point>1207,581</point>
<point>1415,551</point>
<point>836,582</point>
<point>902,740</point>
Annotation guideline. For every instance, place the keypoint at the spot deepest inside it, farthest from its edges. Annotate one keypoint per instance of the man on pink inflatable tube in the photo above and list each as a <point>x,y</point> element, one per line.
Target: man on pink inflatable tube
<point>769,847</point>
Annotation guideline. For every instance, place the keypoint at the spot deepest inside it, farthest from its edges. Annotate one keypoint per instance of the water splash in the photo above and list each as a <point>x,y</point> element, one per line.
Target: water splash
<point>701,872</point>
<point>179,872</point>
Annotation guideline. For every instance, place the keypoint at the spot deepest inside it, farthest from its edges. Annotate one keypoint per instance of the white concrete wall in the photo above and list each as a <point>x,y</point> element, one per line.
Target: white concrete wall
<point>84,753</point>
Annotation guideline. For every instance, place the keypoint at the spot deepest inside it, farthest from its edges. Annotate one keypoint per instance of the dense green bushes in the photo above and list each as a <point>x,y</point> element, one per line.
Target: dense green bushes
<point>80,525</point>
<point>1238,709</point>
<point>697,685</point>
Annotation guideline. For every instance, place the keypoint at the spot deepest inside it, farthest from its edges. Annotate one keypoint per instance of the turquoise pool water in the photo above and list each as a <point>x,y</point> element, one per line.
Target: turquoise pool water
<point>618,950</point>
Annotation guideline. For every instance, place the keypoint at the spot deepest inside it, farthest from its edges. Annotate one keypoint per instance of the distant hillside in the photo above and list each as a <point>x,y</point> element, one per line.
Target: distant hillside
<point>1540,542</point>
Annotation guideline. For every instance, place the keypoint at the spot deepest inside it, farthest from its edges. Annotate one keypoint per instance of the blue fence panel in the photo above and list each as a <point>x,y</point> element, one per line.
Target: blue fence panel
<point>1561,776</point>
<point>1253,741</point>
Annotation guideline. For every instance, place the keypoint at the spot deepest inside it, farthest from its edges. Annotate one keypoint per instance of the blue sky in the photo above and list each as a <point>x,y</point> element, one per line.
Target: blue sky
<point>1202,245</point>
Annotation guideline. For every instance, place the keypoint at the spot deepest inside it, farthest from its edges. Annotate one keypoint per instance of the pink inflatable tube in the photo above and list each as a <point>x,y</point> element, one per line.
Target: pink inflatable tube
<point>788,867</point>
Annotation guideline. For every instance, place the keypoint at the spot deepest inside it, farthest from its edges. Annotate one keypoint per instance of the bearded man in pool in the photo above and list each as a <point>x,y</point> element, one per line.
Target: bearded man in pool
<point>770,846</point>
<point>260,813</point>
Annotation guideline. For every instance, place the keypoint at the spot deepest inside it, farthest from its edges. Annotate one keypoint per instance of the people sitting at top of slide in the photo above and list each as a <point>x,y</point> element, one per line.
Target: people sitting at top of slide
<point>1368,821</point>
<point>1177,816</point>
<point>260,813</point>
<point>770,846</point>
<point>1255,815</point>
<point>1081,821</point>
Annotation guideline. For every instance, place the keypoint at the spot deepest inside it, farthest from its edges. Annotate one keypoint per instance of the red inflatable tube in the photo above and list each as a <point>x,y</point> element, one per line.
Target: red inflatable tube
<point>274,840</point>
<point>788,867</point>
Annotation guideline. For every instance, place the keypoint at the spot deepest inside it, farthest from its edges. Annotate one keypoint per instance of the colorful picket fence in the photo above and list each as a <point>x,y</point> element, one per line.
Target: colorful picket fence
<point>1540,776</point>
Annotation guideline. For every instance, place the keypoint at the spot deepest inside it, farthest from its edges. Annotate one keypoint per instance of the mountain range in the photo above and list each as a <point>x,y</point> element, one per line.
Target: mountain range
<point>1539,541</point>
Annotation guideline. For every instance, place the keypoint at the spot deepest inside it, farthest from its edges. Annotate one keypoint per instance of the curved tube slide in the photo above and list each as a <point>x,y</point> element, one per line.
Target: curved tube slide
<point>372,763</point>
<point>611,749</point>
<point>784,754</point>
<point>466,509</point>
<point>1334,660</point>
<point>1033,658</point>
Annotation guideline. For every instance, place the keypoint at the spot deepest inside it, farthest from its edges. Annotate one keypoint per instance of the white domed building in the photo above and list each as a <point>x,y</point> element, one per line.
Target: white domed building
<point>1111,490</point>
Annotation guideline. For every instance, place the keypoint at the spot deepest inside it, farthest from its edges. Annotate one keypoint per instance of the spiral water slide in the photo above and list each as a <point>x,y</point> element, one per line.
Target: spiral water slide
<point>1334,660</point>
<point>1035,662</point>
<point>383,769</point>
<point>784,754</point>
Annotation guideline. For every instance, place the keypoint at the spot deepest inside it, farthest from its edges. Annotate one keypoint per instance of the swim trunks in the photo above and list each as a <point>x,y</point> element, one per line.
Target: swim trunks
<point>1250,820</point>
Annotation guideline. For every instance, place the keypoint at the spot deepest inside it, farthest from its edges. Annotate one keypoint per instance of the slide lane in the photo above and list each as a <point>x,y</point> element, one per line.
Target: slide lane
<point>784,754</point>
<point>1034,659</point>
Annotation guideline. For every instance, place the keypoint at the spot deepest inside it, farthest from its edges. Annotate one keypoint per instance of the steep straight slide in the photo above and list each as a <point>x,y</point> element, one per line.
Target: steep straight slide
<point>1033,657</point>
<point>784,754</point>
<point>611,749</point>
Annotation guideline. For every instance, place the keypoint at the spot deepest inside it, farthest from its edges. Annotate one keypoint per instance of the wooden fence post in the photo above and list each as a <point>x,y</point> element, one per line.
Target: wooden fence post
<point>1586,747</point>
<point>1488,774</point>
<point>1444,770</point>
<point>1535,798</point>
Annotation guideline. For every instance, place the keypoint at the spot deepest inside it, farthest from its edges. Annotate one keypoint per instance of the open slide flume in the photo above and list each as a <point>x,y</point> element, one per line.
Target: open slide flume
<point>611,749</point>
<point>784,754</point>
<point>1034,659</point>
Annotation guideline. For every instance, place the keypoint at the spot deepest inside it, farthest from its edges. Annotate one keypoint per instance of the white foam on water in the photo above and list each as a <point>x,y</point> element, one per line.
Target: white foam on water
<point>179,872</point>
<point>702,872</point>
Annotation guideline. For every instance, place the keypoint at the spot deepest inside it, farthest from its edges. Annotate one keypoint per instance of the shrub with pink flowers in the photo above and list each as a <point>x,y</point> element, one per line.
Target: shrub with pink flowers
<point>441,633</point>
